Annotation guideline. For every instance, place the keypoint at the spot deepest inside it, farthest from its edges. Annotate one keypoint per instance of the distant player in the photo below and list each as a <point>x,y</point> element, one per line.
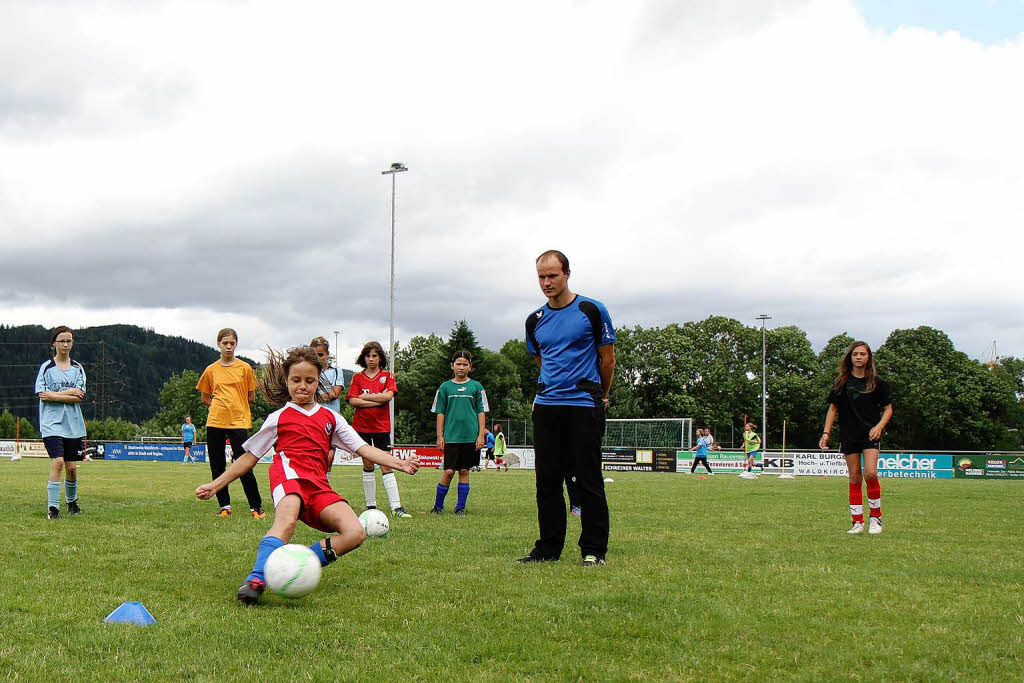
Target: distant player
<point>701,458</point>
<point>228,386</point>
<point>188,439</point>
<point>710,439</point>
<point>500,447</point>
<point>302,434</point>
<point>751,448</point>
<point>370,393</point>
<point>461,407</point>
<point>332,380</point>
<point>489,449</point>
<point>60,386</point>
<point>863,402</point>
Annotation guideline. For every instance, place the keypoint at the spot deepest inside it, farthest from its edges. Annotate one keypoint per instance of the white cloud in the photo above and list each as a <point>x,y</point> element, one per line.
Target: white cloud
<point>690,161</point>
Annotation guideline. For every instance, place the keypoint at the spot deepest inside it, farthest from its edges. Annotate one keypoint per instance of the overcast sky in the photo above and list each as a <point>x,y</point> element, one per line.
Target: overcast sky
<point>840,166</point>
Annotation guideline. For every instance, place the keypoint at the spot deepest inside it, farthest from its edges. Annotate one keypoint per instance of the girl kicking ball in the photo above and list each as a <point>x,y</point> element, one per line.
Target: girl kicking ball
<point>302,434</point>
<point>863,402</point>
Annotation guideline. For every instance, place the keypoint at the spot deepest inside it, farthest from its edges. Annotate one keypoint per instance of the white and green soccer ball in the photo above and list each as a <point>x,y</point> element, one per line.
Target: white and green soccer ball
<point>292,571</point>
<point>375,523</point>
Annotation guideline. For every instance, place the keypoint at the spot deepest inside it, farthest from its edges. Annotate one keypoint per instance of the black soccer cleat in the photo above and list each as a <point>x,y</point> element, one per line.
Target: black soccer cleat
<point>52,513</point>
<point>531,558</point>
<point>250,591</point>
<point>73,508</point>
<point>460,512</point>
<point>436,511</point>
<point>592,560</point>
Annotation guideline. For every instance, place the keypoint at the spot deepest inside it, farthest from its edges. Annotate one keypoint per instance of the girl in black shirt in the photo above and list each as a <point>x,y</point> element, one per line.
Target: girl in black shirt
<point>864,405</point>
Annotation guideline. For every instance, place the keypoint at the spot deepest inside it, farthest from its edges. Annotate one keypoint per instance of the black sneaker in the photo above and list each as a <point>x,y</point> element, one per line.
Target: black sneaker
<point>250,591</point>
<point>52,513</point>
<point>371,507</point>
<point>73,508</point>
<point>592,560</point>
<point>536,558</point>
<point>460,512</point>
<point>436,511</point>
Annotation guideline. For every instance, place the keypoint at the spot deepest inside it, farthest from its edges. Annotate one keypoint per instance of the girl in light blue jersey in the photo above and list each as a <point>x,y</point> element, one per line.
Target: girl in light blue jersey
<point>60,386</point>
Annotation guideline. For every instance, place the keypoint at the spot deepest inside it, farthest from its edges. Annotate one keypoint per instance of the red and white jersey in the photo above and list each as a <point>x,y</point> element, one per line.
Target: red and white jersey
<point>302,441</point>
<point>376,419</point>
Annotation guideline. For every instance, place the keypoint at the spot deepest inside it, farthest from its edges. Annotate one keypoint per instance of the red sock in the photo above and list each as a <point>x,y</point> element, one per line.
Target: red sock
<point>856,503</point>
<point>875,497</point>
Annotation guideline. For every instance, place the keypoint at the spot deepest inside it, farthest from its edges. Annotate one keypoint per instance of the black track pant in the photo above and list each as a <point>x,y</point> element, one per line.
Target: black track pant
<point>567,442</point>
<point>215,452</point>
<point>702,461</point>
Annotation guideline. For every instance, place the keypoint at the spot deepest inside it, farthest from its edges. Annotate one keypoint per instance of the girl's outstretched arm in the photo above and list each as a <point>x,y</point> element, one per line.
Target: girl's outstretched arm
<point>239,467</point>
<point>387,460</point>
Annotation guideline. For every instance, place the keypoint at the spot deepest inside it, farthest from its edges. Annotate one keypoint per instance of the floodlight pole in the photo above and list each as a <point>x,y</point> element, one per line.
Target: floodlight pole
<point>395,169</point>
<point>764,385</point>
<point>336,350</point>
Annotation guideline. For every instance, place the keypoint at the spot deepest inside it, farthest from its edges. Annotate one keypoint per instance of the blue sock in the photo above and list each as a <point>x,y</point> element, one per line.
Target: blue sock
<point>53,494</point>
<point>268,544</point>
<point>442,491</point>
<point>71,490</point>
<point>463,495</point>
<point>318,550</point>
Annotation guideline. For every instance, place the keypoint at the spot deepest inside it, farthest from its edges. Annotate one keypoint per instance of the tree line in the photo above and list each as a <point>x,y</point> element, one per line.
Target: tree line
<point>708,370</point>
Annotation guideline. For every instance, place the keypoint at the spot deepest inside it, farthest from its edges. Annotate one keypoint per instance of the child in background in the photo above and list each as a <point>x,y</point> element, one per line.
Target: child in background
<point>188,439</point>
<point>751,447</point>
<point>500,448</point>
<point>461,406</point>
<point>302,434</point>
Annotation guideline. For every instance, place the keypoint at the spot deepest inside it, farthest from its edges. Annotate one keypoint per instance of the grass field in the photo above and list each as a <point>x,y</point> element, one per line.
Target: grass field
<point>706,579</point>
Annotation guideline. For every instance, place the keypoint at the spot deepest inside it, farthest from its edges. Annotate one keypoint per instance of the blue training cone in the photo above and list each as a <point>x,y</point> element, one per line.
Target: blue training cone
<point>131,613</point>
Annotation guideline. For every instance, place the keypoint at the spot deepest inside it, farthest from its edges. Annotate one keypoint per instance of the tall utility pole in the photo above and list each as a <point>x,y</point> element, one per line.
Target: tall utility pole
<point>337,354</point>
<point>395,169</point>
<point>764,385</point>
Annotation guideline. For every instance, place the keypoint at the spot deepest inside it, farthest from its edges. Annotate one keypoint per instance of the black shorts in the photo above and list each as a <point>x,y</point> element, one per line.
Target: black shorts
<point>490,454</point>
<point>61,447</point>
<point>858,446</point>
<point>186,444</point>
<point>460,456</point>
<point>381,440</point>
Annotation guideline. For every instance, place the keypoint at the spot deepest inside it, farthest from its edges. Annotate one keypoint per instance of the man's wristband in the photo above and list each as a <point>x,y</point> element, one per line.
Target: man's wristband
<point>826,433</point>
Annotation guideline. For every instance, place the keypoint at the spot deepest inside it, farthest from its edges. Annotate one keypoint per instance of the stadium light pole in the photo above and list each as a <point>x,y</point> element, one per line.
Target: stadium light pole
<point>393,171</point>
<point>764,385</point>
<point>337,362</point>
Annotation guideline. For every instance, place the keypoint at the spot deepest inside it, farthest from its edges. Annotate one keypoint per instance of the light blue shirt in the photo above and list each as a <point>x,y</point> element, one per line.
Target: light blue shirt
<point>188,433</point>
<point>330,378</point>
<point>55,418</point>
<point>702,447</point>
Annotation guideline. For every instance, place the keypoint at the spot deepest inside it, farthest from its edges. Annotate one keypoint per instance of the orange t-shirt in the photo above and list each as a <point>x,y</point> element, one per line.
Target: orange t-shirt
<point>229,385</point>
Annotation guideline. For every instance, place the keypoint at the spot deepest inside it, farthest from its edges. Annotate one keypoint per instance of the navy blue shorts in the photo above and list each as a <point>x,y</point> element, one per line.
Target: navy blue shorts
<point>61,447</point>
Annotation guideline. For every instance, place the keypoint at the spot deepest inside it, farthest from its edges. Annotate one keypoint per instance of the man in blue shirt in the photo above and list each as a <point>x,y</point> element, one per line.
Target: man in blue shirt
<point>573,340</point>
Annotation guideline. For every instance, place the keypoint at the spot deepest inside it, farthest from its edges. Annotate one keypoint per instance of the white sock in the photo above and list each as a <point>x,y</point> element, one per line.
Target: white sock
<point>370,487</point>
<point>391,486</point>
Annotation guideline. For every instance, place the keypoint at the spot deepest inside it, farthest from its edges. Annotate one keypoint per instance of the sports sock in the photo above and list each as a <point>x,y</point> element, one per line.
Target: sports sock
<point>391,486</point>
<point>463,495</point>
<point>442,491</point>
<point>71,490</point>
<point>325,556</point>
<point>52,494</point>
<point>856,503</point>
<point>370,488</point>
<point>875,497</point>
<point>268,544</point>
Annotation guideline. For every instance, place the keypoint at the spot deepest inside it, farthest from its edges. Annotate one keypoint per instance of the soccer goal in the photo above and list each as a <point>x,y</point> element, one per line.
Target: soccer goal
<point>667,432</point>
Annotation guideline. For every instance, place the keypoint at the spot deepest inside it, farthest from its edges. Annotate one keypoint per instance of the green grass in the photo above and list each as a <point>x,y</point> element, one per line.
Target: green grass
<point>718,578</point>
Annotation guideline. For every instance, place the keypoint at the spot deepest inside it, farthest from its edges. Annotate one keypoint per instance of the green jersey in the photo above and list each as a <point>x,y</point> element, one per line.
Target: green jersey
<point>751,442</point>
<point>460,404</point>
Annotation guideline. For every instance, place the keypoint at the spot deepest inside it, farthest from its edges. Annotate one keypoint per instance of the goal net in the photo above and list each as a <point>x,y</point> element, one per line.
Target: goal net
<point>669,432</point>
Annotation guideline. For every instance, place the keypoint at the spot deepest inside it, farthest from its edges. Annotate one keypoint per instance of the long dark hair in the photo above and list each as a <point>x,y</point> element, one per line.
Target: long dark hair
<point>372,346</point>
<point>274,384</point>
<point>846,368</point>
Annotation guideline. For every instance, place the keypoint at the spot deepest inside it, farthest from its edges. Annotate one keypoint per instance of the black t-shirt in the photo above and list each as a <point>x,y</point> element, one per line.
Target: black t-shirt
<point>860,411</point>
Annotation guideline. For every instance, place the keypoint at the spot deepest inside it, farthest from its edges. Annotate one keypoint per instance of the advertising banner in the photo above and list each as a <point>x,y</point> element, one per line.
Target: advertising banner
<point>7,449</point>
<point>32,449</point>
<point>817,464</point>
<point>915,465</point>
<point>720,461</point>
<point>627,459</point>
<point>991,466</point>
<point>166,452</point>
<point>430,456</point>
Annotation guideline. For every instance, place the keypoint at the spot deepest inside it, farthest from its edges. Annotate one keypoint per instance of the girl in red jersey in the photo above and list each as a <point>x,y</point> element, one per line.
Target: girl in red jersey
<point>302,435</point>
<point>863,402</point>
<point>370,393</point>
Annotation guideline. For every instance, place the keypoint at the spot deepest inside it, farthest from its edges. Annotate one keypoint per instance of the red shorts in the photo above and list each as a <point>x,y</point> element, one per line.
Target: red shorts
<point>315,498</point>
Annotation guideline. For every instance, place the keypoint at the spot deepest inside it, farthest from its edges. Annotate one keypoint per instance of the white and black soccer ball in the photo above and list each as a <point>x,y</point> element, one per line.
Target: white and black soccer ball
<point>375,523</point>
<point>292,571</point>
